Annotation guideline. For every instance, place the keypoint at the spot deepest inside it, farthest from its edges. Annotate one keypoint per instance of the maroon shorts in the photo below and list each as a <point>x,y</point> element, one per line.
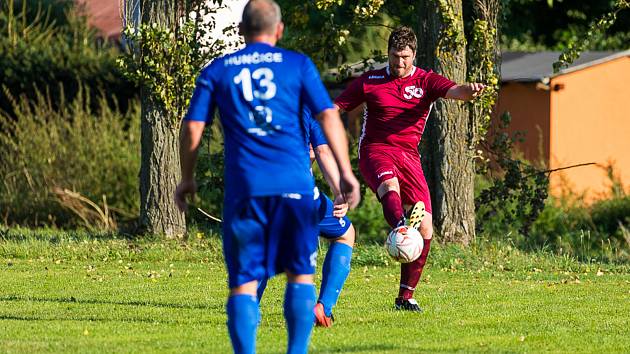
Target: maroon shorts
<point>378,164</point>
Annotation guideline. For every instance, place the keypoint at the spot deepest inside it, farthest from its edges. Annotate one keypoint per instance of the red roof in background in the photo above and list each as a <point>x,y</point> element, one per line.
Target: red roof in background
<point>104,15</point>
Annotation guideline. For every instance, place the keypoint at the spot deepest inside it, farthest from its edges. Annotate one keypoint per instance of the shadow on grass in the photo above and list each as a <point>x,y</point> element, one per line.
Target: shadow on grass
<point>74,300</point>
<point>359,348</point>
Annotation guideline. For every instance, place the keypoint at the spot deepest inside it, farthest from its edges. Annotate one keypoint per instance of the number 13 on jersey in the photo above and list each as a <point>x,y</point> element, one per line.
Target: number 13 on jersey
<point>264,77</point>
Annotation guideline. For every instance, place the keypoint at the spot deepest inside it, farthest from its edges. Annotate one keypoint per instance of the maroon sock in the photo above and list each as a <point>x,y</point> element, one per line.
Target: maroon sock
<point>392,208</point>
<point>410,273</point>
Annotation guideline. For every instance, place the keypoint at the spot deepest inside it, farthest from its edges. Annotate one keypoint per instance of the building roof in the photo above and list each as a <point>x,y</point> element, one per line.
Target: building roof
<point>538,66</point>
<point>104,15</point>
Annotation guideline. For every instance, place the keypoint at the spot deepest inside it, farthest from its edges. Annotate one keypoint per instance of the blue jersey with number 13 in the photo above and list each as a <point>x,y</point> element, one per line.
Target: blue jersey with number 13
<point>260,91</point>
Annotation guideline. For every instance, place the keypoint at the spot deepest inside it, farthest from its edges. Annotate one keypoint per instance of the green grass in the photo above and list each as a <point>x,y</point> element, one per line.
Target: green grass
<point>75,292</point>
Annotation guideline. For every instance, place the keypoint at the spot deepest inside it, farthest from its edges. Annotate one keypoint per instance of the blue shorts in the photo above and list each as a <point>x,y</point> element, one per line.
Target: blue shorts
<point>329,226</point>
<point>264,236</point>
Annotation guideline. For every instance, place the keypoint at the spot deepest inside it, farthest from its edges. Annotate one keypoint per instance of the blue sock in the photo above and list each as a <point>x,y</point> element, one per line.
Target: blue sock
<point>262,285</point>
<point>334,274</point>
<point>242,311</point>
<point>299,302</point>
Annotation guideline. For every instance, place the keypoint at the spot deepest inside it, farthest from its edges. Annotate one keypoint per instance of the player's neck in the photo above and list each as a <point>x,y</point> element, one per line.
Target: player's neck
<point>263,38</point>
<point>407,74</point>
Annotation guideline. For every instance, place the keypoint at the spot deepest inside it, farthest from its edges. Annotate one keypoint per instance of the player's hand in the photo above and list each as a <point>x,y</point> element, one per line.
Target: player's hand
<point>476,88</point>
<point>350,190</point>
<point>184,189</point>
<point>340,206</point>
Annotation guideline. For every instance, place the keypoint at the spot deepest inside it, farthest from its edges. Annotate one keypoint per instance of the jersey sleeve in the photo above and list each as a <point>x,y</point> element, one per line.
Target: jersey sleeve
<point>314,95</point>
<point>352,96</point>
<point>202,105</point>
<point>315,134</point>
<point>437,85</point>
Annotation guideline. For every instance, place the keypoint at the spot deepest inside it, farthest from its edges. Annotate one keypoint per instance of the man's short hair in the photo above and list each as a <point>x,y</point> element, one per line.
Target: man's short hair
<point>260,16</point>
<point>402,37</point>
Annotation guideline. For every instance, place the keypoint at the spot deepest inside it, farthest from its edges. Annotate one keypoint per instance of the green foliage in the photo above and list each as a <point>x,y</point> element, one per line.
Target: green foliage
<point>598,231</point>
<point>452,33</point>
<point>47,46</point>
<point>518,189</point>
<point>165,58</point>
<point>209,176</point>
<point>514,206</point>
<point>368,220</point>
<point>531,25</point>
<point>596,29</point>
<point>483,67</point>
<point>323,29</point>
<point>49,153</point>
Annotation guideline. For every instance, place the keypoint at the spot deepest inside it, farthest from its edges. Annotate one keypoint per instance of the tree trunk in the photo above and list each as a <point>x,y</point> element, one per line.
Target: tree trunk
<point>159,173</point>
<point>159,167</point>
<point>446,154</point>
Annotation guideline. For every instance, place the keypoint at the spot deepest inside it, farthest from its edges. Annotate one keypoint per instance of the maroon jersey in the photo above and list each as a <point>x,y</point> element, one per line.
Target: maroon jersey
<point>397,108</point>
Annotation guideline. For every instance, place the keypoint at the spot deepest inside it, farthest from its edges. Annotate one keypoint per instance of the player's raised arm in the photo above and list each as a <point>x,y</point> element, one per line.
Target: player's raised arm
<point>336,136</point>
<point>189,140</point>
<point>465,92</point>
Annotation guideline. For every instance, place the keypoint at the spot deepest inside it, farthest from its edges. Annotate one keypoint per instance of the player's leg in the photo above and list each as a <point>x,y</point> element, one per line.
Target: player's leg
<point>335,271</point>
<point>388,193</point>
<point>410,272</point>
<point>340,233</point>
<point>294,228</point>
<point>299,302</point>
<point>380,173</point>
<point>242,311</point>
<point>415,189</point>
<point>244,249</point>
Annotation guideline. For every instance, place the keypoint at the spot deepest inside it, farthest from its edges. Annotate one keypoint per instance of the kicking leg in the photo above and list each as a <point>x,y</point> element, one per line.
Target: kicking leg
<point>389,195</point>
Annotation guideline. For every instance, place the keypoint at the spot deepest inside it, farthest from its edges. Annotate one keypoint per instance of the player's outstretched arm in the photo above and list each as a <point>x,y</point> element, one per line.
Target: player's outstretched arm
<point>465,92</point>
<point>189,140</point>
<point>328,165</point>
<point>338,142</point>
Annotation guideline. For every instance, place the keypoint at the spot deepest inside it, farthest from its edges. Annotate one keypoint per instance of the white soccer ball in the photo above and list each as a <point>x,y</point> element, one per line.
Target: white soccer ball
<point>404,244</point>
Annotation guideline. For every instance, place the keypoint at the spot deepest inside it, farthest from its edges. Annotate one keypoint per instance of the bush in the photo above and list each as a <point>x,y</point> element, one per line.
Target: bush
<point>599,230</point>
<point>48,155</point>
<point>48,47</point>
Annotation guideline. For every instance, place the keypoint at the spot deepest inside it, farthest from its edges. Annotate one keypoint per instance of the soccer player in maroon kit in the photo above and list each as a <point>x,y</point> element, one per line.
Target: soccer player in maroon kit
<point>398,100</point>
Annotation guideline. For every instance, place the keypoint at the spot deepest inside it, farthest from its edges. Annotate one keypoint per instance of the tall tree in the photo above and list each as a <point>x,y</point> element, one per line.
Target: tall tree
<point>446,153</point>
<point>159,167</point>
<point>168,47</point>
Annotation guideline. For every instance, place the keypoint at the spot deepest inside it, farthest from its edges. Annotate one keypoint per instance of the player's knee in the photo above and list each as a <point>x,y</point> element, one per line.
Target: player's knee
<point>389,185</point>
<point>347,238</point>
<point>248,288</point>
<point>426,227</point>
<point>299,278</point>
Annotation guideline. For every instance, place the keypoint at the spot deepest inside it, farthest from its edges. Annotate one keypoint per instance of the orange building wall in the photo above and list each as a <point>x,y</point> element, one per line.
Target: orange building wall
<point>529,108</point>
<point>590,122</point>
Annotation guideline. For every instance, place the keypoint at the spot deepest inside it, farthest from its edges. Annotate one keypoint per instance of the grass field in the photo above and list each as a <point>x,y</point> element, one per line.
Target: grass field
<point>101,294</point>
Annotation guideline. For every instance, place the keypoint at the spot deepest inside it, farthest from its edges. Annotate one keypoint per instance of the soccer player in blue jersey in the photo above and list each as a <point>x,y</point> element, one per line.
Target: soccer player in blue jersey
<point>269,217</point>
<point>334,226</point>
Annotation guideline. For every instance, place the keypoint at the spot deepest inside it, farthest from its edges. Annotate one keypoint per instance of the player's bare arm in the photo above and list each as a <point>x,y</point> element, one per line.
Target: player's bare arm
<point>189,140</point>
<point>338,142</point>
<point>339,109</point>
<point>465,92</point>
<point>328,166</point>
